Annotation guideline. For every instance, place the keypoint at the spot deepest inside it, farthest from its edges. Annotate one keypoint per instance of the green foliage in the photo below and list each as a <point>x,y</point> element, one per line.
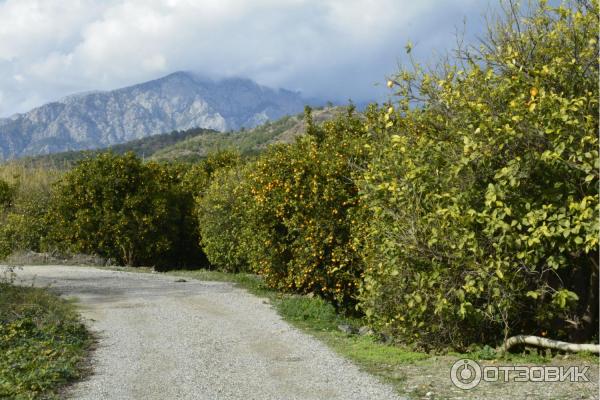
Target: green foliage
<point>22,219</point>
<point>464,212</point>
<point>24,226</point>
<point>483,200</point>
<point>120,208</point>
<point>248,142</point>
<point>298,214</point>
<point>200,174</point>
<point>221,215</point>
<point>42,343</point>
<point>6,197</point>
<point>6,194</point>
<point>316,311</point>
<point>184,250</point>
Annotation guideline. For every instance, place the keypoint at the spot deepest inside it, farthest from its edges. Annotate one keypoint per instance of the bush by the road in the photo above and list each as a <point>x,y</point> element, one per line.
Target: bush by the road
<point>221,213</point>
<point>483,199</point>
<point>42,342</point>
<point>300,211</point>
<point>24,199</point>
<point>121,208</point>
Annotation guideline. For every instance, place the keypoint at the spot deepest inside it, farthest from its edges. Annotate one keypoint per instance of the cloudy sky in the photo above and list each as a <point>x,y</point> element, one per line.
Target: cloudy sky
<point>332,49</point>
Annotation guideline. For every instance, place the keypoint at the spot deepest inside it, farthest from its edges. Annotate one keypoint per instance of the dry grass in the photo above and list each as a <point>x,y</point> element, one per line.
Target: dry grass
<point>29,179</point>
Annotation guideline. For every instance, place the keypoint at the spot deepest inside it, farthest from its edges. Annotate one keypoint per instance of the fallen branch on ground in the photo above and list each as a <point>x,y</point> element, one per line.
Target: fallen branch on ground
<point>548,344</point>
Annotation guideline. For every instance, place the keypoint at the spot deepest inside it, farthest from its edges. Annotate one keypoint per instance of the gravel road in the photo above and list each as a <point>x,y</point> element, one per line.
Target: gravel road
<point>162,339</point>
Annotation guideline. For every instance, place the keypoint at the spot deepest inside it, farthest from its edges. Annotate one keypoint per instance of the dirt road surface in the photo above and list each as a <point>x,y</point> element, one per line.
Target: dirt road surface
<point>162,339</point>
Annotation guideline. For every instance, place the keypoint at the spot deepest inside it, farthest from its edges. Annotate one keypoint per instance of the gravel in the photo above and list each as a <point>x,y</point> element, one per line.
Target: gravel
<point>162,339</point>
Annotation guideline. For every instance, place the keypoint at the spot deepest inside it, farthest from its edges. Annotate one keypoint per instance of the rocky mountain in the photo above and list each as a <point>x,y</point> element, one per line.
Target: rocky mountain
<point>195,144</point>
<point>179,101</point>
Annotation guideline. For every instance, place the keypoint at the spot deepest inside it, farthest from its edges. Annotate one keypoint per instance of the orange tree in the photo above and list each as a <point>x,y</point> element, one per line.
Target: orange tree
<point>298,215</point>
<point>120,208</point>
<point>221,213</point>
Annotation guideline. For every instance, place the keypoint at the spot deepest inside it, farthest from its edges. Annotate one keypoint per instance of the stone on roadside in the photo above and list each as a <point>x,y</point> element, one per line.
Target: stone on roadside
<point>365,331</point>
<point>349,329</point>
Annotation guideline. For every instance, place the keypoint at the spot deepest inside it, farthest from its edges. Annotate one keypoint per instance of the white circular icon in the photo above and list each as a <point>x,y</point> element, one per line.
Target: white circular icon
<point>465,374</point>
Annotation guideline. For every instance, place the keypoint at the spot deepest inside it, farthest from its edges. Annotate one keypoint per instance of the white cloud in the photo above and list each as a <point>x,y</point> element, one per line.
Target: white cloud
<point>334,49</point>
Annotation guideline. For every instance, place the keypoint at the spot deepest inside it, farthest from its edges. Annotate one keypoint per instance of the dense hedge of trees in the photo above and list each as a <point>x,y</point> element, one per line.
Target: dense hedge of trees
<point>132,212</point>
<point>461,212</point>
<point>483,199</point>
<point>464,212</point>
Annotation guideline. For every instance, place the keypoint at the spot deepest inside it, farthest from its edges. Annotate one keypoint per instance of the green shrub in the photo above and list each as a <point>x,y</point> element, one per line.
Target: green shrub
<point>120,208</point>
<point>23,223</point>
<point>482,215</point>
<point>184,250</point>
<point>42,343</point>
<point>299,211</point>
<point>199,176</point>
<point>25,226</point>
<point>6,194</point>
<point>222,220</point>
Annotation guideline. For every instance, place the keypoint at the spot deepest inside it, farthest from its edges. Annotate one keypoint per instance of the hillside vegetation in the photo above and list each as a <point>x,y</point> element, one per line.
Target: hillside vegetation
<point>463,211</point>
<point>144,148</point>
<point>247,142</point>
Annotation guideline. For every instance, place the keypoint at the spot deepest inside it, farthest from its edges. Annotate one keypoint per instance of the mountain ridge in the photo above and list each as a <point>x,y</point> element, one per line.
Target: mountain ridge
<point>178,101</point>
<point>195,144</point>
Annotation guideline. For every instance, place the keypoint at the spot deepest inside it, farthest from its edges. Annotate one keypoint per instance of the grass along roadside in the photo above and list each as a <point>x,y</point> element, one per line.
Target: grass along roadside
<point>412,373</point>
<point>43,343</point>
